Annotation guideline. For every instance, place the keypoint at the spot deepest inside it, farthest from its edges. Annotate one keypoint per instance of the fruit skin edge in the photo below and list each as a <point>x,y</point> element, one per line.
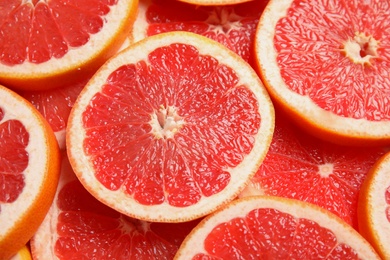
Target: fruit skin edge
<point>19,236</point>
<point>66,76</point>
<point>365,221</point>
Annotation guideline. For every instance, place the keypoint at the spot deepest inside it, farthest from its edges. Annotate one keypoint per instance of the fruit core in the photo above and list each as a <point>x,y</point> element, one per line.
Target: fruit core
<point>166,122</point>
<point>325,169</point>
<point>224,19</point>
<point>361,49</point>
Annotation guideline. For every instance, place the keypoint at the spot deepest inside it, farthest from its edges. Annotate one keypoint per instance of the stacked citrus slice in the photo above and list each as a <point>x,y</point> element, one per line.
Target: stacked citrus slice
<point>45,44</point>
<point>274,228</point>
<point>170,129</point>
<point>374,207</point>
<point>80,227</point>
<point>232,25</point>
<point>29,171</point>
<point>303,167</point>
<point>326,64</point>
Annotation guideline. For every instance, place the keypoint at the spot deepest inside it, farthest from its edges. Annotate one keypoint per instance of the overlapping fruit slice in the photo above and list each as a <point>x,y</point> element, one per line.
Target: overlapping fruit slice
<point>374,207</point>
<point>29,171</point>
<point>326,63</point>
<point>170,129</point>
<point>267,227</point>
<point>46,44</point>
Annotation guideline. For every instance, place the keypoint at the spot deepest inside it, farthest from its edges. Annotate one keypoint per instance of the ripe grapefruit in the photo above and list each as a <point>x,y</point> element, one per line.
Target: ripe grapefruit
<point>233,25</point>
<point>326,64</point>
<point>170,129</point>
<point>29,171</point>
<point>47,44</point>
<point>306,168</point>
<point>80,227</point>
<point>374,207</point>
<point>268,227</point>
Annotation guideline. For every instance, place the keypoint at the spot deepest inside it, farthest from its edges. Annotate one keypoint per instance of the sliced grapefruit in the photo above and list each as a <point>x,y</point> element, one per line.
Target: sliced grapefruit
<point>80,227</point>
<point>170,129</point>
<point>46,44</point>
<point>374,207</point>
<point>271,227</point>
<point>55,105</point>
<point>326,63</point>
<point>303,167</point>
<point>29,171</point>
<point>234,26</point>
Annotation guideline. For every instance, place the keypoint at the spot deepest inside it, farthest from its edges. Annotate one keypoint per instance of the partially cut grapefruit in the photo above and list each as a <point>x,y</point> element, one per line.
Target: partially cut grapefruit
<point>29,171</point>
<point>326,64</point>
<point>47,44</point>
<point>170,129</point>
<point>268,227</point>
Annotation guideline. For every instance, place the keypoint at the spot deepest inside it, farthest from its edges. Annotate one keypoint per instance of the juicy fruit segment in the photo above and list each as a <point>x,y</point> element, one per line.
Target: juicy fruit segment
<point>305,168</point>
<point>330,56</point>
<point>170,131</point>
<point>319,56</point>
<point>273,227</point>
<point>374,207</point>
<point>195,111</point>
<point>85,228</point>
<point>233,26</point>
<point>14,158</point>
<point>29,169</point>
<point>37,31</point>
<point>55,106</point>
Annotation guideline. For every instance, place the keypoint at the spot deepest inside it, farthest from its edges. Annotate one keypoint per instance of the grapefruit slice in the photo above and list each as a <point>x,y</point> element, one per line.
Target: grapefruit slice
<point>234,26</point>
<point>374,207</point>
<point>303,167</point>
<point>47,44</point>
<point>55,105</point>
<point>80,227</point>
<point>215,2</point>
<point>170,129</point>
<point>29,170</point>
<point>326,63</point>
<point>271,227</point>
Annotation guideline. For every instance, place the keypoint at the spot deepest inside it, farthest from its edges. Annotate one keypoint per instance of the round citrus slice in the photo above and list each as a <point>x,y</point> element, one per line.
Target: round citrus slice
<point>46,44</point>
<point>326,63</point>
<point>170,129</point>
<point>234,26</point>
<point>29,170</point>
<point>274,228</point>
<point>303,167</point>
<point>80,227</point>
<point>374,207</point>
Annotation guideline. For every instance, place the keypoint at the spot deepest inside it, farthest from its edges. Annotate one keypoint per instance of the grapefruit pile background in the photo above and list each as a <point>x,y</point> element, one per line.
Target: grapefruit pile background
<point>311,132</point>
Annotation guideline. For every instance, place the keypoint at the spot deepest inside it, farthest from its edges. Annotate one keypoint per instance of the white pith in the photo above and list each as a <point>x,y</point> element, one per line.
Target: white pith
<point>240,208</point>
<point>165,212</point>
<point>38,150</point>
<point>166,122</point>
<point>303,105</point>
<point>361,42</point>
